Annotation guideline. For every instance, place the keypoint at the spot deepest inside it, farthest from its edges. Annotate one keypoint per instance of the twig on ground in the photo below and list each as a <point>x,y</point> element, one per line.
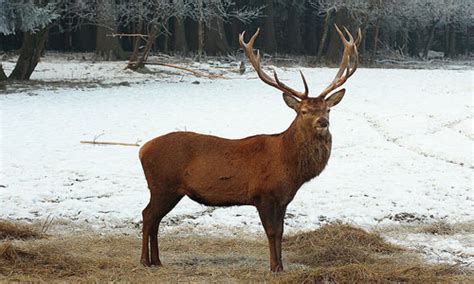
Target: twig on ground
<point>129,35</point>
<point>110,143</point>
<point>194,72</point>
<point>97,136</point>
<point>47,224</point>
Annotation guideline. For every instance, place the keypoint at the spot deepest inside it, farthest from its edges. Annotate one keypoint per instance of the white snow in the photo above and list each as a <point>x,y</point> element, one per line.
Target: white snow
<point>403,143</point>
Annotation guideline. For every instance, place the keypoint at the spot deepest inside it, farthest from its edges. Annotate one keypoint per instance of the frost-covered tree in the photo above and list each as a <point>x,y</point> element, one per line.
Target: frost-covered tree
<point>33,18</point>
<point>423,18</point>
<point>401,23</point>
<point>25,16</point>
<point>211,16</point>
<point>151,17</point>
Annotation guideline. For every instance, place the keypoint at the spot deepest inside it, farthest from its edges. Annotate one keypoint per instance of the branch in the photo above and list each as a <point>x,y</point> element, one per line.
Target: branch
<point>194,72</point>
<point>144,37</point>
<point>110,143</point>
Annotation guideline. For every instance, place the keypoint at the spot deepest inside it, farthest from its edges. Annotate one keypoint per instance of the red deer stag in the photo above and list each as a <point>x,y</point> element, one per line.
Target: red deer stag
<point>265,171</point>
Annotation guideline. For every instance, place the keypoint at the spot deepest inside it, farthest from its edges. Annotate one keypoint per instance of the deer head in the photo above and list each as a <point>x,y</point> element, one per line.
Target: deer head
<point>312,112</point>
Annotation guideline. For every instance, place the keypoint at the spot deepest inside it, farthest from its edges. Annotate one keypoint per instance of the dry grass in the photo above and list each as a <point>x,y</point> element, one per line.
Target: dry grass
<point>334,253</point>
<point>438,228</point>
<point>337,244</point>
<point>9,230</point>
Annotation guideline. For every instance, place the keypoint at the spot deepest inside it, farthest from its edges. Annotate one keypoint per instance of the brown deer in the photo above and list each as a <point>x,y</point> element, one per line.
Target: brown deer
<point>265,171</point>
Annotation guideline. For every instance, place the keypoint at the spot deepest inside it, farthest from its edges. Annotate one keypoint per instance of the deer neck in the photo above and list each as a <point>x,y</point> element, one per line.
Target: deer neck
<point>307,152</point>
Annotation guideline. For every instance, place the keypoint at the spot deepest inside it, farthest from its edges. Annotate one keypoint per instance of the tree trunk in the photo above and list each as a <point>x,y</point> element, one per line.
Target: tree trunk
<point>295,41</point>
<point>327,23</point>
<point>215,39</point>
<point>376,40</point>
<point>166,39</point>
<point>404,40</point>
<point>269,38</point>
<point>136,44</point>
<point>3,76</point>
<point>134,65</point>
<point>415,43</point>
<point>107,47</point>
<point>200,30</point>
<point>311,30</point>
<point>31,50</point>
<point>451,41</point>
<point>200,40</point>
<point>363,44</point>
<point>430,40</point>
<point>236,28</point>
<point>334,52</point>
<point>180,43</point>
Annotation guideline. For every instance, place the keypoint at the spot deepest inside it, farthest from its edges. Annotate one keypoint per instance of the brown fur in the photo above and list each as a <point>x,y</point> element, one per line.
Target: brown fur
<point>265,171</point>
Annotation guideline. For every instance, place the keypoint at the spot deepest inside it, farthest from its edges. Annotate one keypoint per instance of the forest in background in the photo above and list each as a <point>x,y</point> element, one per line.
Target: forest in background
<point>121,29</point>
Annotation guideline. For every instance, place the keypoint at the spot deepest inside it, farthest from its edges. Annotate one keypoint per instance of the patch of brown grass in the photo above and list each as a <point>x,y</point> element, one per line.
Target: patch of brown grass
<point>10,230</point>
<point>337,244</point>
<point>11,253</point>
<point>342,253</point>
<point>333,253</point>
<point>438,228</point>
<point>382,271</point>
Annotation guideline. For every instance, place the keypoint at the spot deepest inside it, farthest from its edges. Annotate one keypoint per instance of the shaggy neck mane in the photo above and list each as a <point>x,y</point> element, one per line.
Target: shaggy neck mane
<point>310,153</point>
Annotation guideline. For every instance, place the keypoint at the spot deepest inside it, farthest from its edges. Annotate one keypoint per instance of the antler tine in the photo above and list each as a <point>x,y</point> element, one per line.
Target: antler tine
<point>359,37</point>
<point>256,63</point>
<point>345,68</point>
<point>306,89</point>
<point>351,39</point>
<point>341,35</point>
<point>300,95</point>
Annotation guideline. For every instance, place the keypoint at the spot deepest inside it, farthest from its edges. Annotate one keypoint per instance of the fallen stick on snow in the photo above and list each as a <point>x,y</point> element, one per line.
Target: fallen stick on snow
<point>194,72</point>
<point>110,143</point>
<point>129,35</point>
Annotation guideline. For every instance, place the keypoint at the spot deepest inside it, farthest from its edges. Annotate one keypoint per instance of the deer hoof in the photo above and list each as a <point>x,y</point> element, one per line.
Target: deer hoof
<point>278,268</point>
<point>156,263</point>
<point>145,262</point>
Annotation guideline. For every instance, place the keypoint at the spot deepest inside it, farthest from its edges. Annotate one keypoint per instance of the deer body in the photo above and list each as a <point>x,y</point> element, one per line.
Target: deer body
<point>222,172</point>
<point>265,171</point>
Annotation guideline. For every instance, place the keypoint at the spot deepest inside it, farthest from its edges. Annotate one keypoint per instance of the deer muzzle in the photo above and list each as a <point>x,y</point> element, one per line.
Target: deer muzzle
<point>322,123</point>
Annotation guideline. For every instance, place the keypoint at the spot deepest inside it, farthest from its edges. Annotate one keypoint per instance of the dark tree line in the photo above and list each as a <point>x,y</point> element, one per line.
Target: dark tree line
<point>211,27</point>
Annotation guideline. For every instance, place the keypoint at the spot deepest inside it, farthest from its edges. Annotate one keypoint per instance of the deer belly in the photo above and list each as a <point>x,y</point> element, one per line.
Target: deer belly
<point>216,187</point>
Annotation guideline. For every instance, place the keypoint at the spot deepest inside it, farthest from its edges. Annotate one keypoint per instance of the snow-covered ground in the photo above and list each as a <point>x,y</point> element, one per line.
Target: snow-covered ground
<point>402,149</point>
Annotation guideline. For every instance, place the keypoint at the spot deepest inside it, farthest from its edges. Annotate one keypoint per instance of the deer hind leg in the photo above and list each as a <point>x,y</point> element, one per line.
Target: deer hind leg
<point>162,204</point>
<point>147,223</point>
<point>272,217</point>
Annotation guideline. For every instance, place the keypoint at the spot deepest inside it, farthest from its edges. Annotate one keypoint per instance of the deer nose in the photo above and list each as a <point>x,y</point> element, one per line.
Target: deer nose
<point>323,122</point>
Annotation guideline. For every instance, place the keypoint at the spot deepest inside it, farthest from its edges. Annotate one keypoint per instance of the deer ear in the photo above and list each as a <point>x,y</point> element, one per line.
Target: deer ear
<point>335,98</point>
<point>291,102</point>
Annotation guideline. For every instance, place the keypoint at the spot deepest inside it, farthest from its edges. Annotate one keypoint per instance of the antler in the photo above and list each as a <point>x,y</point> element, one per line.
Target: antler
<point>345,69</point>
<point>255,61</point>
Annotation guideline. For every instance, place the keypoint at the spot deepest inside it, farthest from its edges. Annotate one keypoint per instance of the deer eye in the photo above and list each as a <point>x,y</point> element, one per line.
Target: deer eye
<point>304,112</point>
<point>329,110</point>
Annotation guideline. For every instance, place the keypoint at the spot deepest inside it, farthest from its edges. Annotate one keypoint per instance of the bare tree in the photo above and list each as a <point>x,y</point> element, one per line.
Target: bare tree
<point>150,17</point>
<point>350,13</point>
<point>107,47</point>
<point>211,16</point>
<point>180,42</point>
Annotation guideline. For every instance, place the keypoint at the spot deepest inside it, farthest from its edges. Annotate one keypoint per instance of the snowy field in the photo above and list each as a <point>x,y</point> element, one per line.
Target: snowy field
<point>402,147</point>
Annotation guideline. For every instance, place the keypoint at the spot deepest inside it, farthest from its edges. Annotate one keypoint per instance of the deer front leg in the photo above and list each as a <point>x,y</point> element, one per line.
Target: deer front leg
<point>272,217</point>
